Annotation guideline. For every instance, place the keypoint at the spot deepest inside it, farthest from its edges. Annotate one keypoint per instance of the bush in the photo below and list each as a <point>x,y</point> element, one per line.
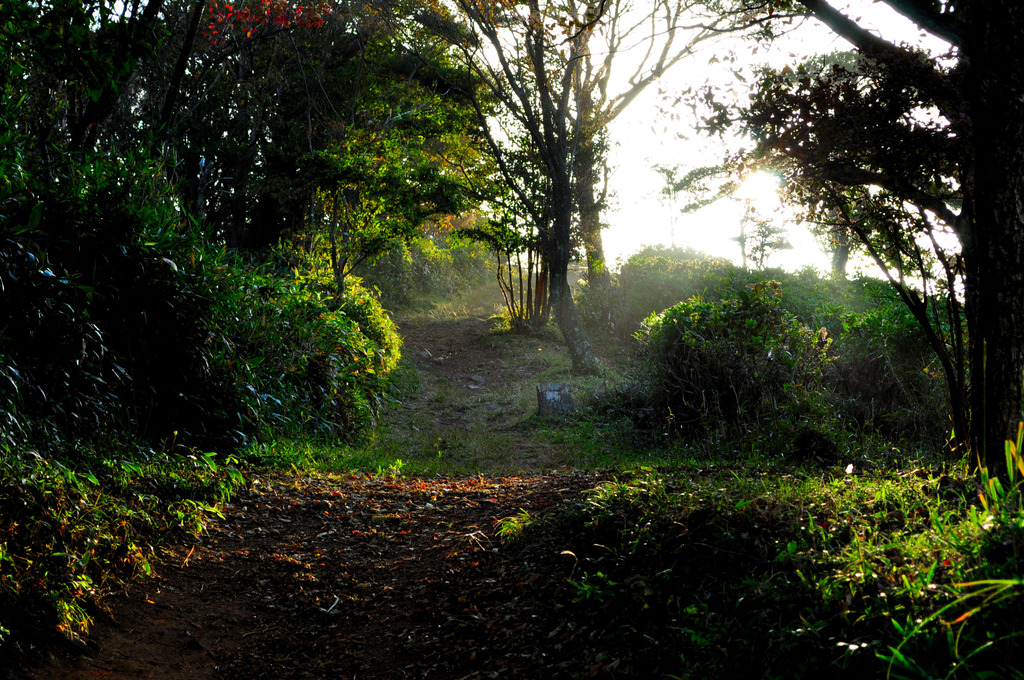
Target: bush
<point>881,377</point>
<point>303,361</point>
<point>733,361</point>
<point>822,302</point>
<point>438,267</point>
<point>886,379</point>
<point>648,282</point>
<point>657,277</point>
<point>127,347</point>
<point>104,332</point>
<point>375,323</point>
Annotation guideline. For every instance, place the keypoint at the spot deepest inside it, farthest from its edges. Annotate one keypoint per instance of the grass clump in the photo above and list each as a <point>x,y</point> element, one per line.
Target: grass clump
<point>71,534</point>
<point>699,572</point>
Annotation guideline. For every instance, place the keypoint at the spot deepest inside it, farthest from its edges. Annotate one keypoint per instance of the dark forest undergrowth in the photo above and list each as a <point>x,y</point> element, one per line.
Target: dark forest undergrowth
<point>219,459</point>
<point>467,540</point>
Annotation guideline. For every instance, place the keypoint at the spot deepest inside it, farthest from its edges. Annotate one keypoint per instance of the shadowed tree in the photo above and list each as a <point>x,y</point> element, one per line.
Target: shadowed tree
<point>928,145</point>
<point>550,65</point>
<point>526,57</point>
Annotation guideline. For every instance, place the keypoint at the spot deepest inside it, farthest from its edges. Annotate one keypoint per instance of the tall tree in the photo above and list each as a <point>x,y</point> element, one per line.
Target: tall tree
<point>526,56</point>
<point>663,33</point>
<point>236,101</point>
<point>233,104</point>
<point>74,60</point>
<point>967,109</point>
<point>626,48</point>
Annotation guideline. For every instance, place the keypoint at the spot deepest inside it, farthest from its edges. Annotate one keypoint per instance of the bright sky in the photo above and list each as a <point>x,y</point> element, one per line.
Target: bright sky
<point>638,215</point>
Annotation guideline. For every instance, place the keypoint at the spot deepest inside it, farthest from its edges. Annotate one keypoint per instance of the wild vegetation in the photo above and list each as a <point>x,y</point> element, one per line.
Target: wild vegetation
<point>212,215</point>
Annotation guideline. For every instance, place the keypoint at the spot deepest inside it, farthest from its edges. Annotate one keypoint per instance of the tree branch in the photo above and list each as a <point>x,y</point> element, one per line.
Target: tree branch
<point>851,177</point>
<point>847,28</point>
<point>921,13</point>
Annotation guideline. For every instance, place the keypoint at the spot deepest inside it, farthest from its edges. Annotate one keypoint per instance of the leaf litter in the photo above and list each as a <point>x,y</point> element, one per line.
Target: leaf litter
<point>353,576</point>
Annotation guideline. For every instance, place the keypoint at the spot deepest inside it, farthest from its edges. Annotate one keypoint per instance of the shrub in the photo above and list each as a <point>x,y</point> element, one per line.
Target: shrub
<point>303,361</point>
<point>426,268</point>
<point>119,321</point>
<point>886,379</point>
<point>375,323</point>
<point>881,377</point>
<point>69,532</point>
<point>734,360</point>
<point>822,302</point>
<point>649,281</point>
<point>657,277</point>
<point>104,331</point>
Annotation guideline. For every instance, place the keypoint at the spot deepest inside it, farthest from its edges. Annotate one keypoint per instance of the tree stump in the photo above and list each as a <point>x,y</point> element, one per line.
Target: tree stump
<point>554,400</point>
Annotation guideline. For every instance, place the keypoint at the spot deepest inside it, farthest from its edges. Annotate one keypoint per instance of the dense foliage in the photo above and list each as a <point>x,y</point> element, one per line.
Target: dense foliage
<point>815,360</point>
<point>128,349</point>
<point>133,343</point>
<point>739,359</point>
<point>304,363</point>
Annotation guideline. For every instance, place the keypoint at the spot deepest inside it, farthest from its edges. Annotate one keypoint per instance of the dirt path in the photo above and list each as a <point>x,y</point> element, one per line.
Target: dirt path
<point>339,577</point>
<point>478,388</point>
<point>359,576</point>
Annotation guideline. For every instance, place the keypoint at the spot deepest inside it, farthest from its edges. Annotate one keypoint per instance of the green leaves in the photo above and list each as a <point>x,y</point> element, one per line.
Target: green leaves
<point>305,362</point>
<point>69,535</point>
<point>374,191</point>
<point>734,360</point>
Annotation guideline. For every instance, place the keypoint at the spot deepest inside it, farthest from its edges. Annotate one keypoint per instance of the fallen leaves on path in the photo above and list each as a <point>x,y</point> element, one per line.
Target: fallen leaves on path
<point>386,578</point>
<point>356,576</point>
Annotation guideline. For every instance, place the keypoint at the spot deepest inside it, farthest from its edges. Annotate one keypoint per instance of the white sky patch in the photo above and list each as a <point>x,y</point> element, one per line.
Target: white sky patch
<point>638,215</point>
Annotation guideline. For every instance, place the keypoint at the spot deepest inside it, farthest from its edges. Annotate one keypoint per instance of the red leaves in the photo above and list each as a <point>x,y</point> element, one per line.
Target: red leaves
<point>247,22</point>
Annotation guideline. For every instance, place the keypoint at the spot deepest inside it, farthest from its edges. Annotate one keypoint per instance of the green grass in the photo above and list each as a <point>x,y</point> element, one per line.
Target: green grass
<point>734,572</point>
<point>72,533</point>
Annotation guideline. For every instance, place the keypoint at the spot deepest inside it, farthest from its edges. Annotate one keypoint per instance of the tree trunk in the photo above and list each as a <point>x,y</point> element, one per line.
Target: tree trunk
<point>580,349</point>
<point>994,240</point>
<point>590,228</point>
<point>840,252</point>
<point>588,206</point>
<point>541,301</point>
<point>171,96</point>
<point>558,248</point>
<point>590,154</point>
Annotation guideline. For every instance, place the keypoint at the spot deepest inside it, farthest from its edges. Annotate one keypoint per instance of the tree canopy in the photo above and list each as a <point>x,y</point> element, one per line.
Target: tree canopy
<point>906,146</point>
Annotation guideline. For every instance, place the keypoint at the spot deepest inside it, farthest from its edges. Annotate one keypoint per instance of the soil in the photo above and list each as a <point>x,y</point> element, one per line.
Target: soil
<point>352,575</point>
